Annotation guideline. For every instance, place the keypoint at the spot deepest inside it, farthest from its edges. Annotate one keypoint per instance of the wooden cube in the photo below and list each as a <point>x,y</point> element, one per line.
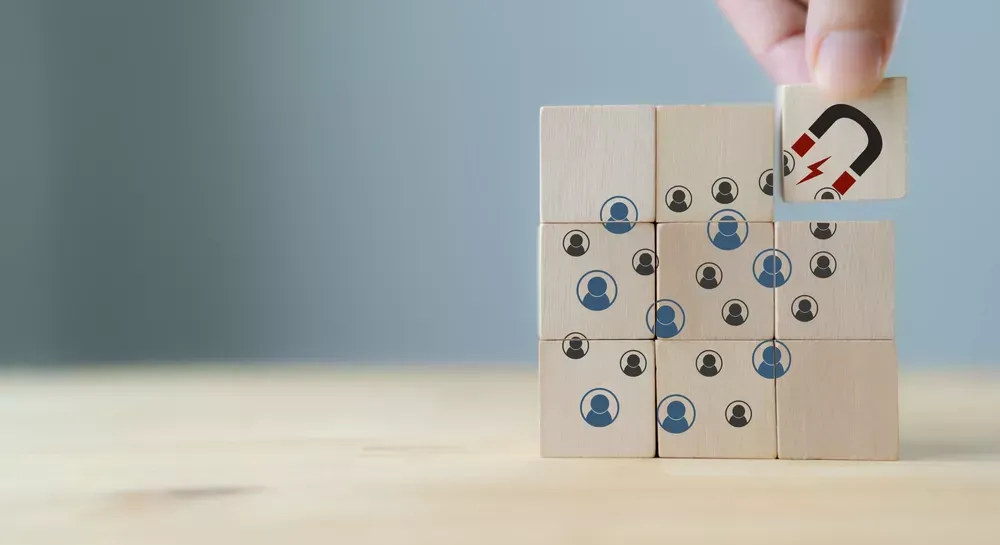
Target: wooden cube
<point>597,398</point>
<point>708,286</point>
<point>713,400</point>
<point>838,400</point>
<point>595,282</point>
<point>837,280</point>
<point>844,151</point>
<point>598,164</point>
<point>714,157</point>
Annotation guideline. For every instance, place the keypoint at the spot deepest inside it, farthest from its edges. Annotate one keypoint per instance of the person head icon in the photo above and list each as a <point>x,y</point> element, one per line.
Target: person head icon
<point>787,162</point>
<point>730,229</point>
<point>823,265</point>
<point>771,273</point>
<point>665,319</point>
<point>708,278</point>
<point>619,214</point>
<point>678,199</point>
<point>738,414</point>
<point>734,312</point>
<point>575,346</point>
<point>632,363</point>
<point>597,287</point>
<point>708,363</point>
<point>724,190</point>
<point>823,230</point>
<point>804,308</point>
<point>674,415</point>
<point>599,407</point>
<point>644,262</point>
<point>827,194</point>
<point>766,182</point>
<point>768,360</point>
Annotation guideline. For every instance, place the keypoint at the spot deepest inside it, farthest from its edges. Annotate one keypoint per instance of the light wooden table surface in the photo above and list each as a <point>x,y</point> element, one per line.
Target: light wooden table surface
<point>300,455</point>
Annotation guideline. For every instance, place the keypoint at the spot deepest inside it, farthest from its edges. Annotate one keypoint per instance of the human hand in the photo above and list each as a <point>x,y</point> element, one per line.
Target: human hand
<point>840,45</point>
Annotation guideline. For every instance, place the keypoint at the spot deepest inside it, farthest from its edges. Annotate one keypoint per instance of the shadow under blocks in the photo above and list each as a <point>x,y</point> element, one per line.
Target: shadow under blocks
<point>677,319</point>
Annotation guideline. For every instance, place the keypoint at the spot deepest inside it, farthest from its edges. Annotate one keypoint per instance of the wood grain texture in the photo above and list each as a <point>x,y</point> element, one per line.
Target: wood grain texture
<point>698,148</point>
<point>442,454</point>
<point>686,251</point>
<point>838,400</point>
<point>845,140</point>
<point>597,403</point>
<point>565,273</point>
<point>839,284</point>
<point>715,377</point>
<point>590,154</point>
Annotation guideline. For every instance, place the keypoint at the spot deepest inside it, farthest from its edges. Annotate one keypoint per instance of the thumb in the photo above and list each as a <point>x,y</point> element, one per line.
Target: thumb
<point>848,43</point>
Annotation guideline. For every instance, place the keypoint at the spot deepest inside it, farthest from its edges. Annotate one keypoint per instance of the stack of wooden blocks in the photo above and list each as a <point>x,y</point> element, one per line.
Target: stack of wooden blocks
<point>678,319</point>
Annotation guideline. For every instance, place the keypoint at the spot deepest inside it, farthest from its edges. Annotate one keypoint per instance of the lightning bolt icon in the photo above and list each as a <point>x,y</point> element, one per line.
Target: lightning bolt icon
<point>814,170</point>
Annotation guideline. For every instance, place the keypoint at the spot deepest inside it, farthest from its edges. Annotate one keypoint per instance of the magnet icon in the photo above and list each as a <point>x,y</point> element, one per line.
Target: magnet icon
<point>822,124</point>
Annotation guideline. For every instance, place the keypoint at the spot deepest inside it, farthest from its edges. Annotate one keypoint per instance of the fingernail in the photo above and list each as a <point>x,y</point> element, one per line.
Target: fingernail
<point>849,63</point>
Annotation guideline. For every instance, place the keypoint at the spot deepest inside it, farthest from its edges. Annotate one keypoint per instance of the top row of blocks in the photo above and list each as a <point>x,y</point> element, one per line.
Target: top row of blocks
<point>645,164</point>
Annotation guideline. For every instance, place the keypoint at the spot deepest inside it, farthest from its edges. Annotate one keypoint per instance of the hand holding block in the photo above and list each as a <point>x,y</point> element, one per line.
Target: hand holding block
<point>596,280</point>
<point>838,282</point>
<point>714,157</point>
<point>838,400</point>
<point>597,398</point>
<point>714,400</point>
<point>844,151</point>
<point>597,164</point>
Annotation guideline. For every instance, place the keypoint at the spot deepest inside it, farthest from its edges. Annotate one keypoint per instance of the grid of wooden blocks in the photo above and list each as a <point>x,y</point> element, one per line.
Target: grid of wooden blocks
<point>678,319</point>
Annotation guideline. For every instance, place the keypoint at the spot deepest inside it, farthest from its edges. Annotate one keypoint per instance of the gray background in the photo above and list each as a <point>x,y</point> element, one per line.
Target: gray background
<point>358,181</point>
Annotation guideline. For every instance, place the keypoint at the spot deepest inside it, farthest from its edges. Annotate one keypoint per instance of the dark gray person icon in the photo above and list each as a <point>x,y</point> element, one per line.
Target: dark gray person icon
<point>709,365</point>
<point>827,194</point>
<point>823,230</point>
<point>803,310</point>
<point>645,265</point>
<point>766,182</point>
<point>575,346</point>
<point>733,313</point>
<point>738,417</point>
<point>575,247</point>
<point>677,199</point>
<point>709,276</point>
<point>725,191</point>
<point>823,268</point>
<point>633,366</point>
<point>788,162</point>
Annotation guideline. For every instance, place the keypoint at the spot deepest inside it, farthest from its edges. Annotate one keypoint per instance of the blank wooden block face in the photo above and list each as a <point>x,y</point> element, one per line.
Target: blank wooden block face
<point>714,157</point>
<point>595,282</point>
<point>709,284</point>
<point>712,402</point>
<point>598,164</point>
<point>838,400</point>
<point>844,151</point>
<point>837,280</point>
<point>597,398</point>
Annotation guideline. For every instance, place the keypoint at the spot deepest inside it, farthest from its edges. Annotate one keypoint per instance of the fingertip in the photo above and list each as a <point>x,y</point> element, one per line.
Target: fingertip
<point>786,63</point>
<point>849,63</point>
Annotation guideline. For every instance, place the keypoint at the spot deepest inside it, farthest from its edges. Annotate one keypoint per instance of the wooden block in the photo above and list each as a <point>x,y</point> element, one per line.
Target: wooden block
<point>714,157</point>
<point>844,151</point>
<point>598,164</point>
<point>838,282</point>
<point>728,407</point>
<point>597,398</point>
<point>838,400</point>
<point>707,286</point>
<point>595,282</point>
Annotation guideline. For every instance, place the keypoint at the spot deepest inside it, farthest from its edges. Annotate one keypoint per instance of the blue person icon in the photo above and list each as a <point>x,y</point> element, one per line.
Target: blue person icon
<point>767,268</point>
<point>673,413</point>
<point>596,290</point>
<point>767,359</point>
<point>619,214</point>
<point>599,407</point>
<point>665,318</point>
<point>727,229</point>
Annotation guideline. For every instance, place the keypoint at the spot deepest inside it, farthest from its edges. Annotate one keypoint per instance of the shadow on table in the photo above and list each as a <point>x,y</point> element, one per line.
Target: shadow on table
<point>987,449</point>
